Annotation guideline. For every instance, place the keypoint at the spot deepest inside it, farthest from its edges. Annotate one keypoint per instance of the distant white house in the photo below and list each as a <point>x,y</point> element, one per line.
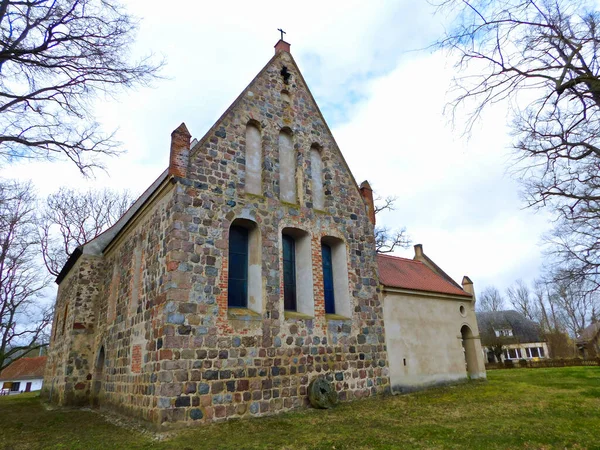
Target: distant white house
<point>518,337</point>
<point>23,375</point>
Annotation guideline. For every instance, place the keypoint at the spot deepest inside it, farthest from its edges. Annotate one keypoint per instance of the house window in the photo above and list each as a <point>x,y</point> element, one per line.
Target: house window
<point>535,352</point>
<point>244,277</point>
<point>512,353</point>
<point>328,290</point>
<point>15,386</point>
<point>504,332</point>
<point>253,159</point>
<point>298,292</point>
<point>287,167</point>
<point>237,286</point>
<point>335,277</point>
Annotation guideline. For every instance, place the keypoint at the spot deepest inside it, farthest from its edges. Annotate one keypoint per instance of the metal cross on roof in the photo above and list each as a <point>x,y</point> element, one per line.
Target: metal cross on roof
<point>282,32</point>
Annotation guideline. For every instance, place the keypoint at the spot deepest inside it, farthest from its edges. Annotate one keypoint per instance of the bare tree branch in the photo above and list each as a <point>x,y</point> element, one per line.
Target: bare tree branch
<point>387,240</point>
<point>490,300</point>
<point>56,57</point>
<point>71,218</point>
<point>541,57</point>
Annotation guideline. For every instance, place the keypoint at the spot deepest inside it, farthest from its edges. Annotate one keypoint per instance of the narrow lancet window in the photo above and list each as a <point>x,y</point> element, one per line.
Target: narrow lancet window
<point>237,291</point>
<point>316,169</point>
<point>253,160</point>
<point>287,167</point>
<point>289,273</point>
<point>328,289</point>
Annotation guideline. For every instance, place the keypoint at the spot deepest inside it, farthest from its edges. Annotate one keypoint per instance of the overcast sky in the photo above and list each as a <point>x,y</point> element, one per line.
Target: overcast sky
<point>381,95</point>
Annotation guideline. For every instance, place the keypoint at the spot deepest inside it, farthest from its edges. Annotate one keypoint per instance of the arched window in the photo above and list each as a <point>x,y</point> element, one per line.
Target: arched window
<point>316,170</point>
<point>253,159</point>
<point>99,371</point>
<point>335,277</point>
<point>244,282</point>
<point>287,167</point>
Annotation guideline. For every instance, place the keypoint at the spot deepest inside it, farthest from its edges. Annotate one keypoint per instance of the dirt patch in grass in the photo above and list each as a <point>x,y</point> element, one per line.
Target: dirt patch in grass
<point>519,408</point>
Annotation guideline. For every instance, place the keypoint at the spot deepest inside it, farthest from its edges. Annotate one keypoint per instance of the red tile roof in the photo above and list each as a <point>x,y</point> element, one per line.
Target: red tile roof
<point>414,275</point>
<point>24,368</point>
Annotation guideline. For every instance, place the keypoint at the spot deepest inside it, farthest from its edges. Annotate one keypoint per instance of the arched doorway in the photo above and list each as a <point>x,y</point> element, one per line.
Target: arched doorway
<point>98,374</point>
<point>468,343</point>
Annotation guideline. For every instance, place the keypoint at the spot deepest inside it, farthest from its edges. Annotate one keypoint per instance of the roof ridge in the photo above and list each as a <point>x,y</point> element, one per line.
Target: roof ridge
<point>399,257</point>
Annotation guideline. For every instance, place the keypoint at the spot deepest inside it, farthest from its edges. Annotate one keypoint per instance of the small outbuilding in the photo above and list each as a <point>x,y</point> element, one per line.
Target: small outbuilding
<point>431,330</point>
<point>23,375</point>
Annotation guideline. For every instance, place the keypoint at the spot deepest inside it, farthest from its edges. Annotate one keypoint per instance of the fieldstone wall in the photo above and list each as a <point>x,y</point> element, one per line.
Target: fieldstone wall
<point>70,358</point>
<point>130,312</point>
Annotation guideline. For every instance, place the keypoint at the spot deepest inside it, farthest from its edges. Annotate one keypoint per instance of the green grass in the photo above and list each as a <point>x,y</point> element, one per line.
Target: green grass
<point>528,408</point>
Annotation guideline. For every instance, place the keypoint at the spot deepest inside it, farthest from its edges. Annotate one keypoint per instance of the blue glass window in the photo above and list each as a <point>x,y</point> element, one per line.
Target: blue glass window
<point>328,279</point>
<point>289,273</point>
<point>237,290</point>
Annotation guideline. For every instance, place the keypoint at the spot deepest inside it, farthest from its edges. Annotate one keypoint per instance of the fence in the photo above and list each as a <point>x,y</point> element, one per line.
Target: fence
<point>536,364</point>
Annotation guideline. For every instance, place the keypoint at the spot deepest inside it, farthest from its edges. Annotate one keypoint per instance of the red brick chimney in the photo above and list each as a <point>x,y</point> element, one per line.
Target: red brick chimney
<point>282,46</point>
<point>180,151</point>
<point>367,195</point>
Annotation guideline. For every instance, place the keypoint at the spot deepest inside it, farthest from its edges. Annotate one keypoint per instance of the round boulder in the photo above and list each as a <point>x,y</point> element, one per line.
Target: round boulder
<point>321,394</point>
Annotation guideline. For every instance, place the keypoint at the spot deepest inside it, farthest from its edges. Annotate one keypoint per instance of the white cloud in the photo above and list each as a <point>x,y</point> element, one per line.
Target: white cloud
<point>453,194</point>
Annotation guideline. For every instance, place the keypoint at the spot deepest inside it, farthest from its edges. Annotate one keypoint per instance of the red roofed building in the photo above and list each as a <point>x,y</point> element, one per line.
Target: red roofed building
<point>23,375</point>
<point>430,324</point>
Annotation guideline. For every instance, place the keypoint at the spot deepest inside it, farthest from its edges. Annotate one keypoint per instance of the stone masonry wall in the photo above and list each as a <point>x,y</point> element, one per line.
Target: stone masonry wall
<point>130,311</point>
<point>71,352</point>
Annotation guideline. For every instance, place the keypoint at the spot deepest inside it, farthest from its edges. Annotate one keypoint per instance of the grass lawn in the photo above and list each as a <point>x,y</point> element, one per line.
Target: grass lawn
<point>519,408</point>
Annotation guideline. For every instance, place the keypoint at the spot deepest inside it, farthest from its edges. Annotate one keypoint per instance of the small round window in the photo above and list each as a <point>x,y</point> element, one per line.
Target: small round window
<point>463,311</point>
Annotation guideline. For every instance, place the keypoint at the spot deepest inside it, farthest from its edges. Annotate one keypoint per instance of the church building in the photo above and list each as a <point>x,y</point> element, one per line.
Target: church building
<point>247,270</point>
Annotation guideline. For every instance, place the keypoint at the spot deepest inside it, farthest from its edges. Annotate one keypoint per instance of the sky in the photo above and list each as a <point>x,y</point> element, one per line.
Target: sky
<point>382,92</point>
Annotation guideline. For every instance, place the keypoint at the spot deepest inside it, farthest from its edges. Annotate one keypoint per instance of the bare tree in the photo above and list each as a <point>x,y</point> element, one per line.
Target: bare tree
<point>542,58</point>
<point>577,306</point>
<point>55,57</point>
<point>490,299</point>
<point>386,239</point>
<point>23,316</point>
<point>521,299</point>
<point>547,306</point>
<point>71,218</point>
